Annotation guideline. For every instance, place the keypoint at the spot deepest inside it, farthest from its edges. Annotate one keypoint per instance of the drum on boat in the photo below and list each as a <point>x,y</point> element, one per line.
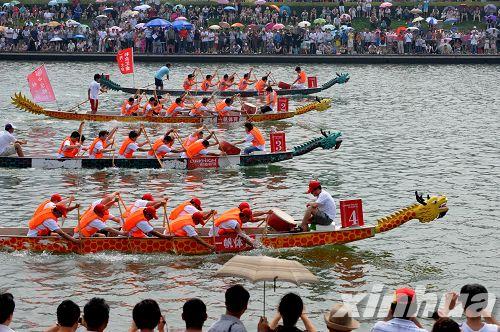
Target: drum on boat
<point>229,148</point>
<point>280,220</point>
<point>249,108</point>
<point>284,86</point>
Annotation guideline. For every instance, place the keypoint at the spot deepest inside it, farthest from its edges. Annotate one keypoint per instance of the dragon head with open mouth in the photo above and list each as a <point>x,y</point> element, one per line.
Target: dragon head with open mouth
<point>431,208</point>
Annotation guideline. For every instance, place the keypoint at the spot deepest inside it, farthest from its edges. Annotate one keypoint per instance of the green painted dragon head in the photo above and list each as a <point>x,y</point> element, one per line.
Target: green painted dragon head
<point>431,208</point>
<point>340,79</point>
<point>110,84</point>
<point>328,141</point>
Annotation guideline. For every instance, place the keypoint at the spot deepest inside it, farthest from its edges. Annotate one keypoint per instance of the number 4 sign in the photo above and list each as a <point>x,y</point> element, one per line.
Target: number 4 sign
<point>351,213</point>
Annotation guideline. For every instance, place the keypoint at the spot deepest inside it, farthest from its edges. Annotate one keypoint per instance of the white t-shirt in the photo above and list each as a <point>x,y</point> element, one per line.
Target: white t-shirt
<point>94,90</point>
<point>202,152</point>
<point>486,328</point>
<point>96,223</point>
<point>249,138</point>
<point>49,224</point>
<point>97,147</point>
<point>6,139</point>
<point>229,224</point>
<point>49,205</point>
<point>144,226</point>
<point>190,230</point>
<point>131,147</point>
<point>162,149</point>
<point>140,203</point>
<point>5,328</point>
<point>326,204</point>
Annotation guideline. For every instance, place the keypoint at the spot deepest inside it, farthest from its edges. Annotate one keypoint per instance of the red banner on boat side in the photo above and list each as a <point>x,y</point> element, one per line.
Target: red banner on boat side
<point>203,162</point>
<point>232,243</point>
<point>40,87</point>
<point>125,59</point>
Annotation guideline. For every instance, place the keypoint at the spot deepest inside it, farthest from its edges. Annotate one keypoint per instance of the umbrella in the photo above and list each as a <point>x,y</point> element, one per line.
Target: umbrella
<point>416,11</point>
<point>491,30</point>
<point>490,8</point>
<point>269,26</point>
<point>492,18</point>
<point>222,2</point>
<point>253,26</point>
<point>448,8</point>
<point>53,24</point>
<point>345,17</point>
<point>214,27</point>
<point>328,27</point>
<point>100,1</point>
<point>114,27</point>
<point>431,20</point>
<point>79,37</point>
<point>72,23</point>
<point>224,25</point>
<point>412,28</point>
<point>179,7</point>
<point>229,9</point>
<point>385,4</point>
<point>180,25</point>
<point>62,2</point>
<point>14,2</point>
<point>53,3</point>
<point>158,22</point>
<point>418,19</point>
<point>55,39</point>
<point>140,25</point>
<point>142,7</point>
<point>108,9</point>
<point>237,25</point>
<point>101,17</point>
<point>180,18</point>
<point>260,2</point>
<point>304,24</point>
<point>278,26</point>
<point>276,8</point>
<point>319,21</point>
<point>129,13</point>
<point>285,9</point>
<point>451,20</point>
<point>263,268</point>
<point>84,26</point>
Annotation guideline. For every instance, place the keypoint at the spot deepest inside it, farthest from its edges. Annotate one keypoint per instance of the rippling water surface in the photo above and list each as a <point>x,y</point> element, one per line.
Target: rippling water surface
<point>431,128</point>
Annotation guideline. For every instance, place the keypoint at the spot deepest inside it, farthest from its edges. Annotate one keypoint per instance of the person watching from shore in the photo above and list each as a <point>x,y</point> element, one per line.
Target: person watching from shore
<point>146,317</point>
<point>322,210</point>
<point>163,71</point>
<point>290,309</point>
<point>194,314</point>
<point>9,145</point>
<point>7,306</point>
<point>96,315</point>
<point>402,314</point>
<point>237,298</point>
<point>68,317</point>
<point>339,319</point>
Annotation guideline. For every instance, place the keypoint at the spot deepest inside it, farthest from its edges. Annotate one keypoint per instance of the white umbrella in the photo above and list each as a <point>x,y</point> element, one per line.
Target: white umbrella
<point>55,39</point>
<point>214,27</point>
<point>72,23</point>
<point>142,7</point>
<point>412,28</point>
<point>53,3</point>
<point>304,24</point>
<point>101,17</point>
<point>416,11</point>
<point>418,19</point>
<point>260,2</point>
<point>263,268</point>
<point>491,30</point>
<point>385,5</point>
<point>431,20</point>
<point>140,25</point>
<point>328,27</point>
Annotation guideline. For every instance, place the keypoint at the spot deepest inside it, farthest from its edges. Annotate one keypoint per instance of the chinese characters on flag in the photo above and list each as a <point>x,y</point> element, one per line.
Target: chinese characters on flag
<point>40,87</point>
<point>125,59</point>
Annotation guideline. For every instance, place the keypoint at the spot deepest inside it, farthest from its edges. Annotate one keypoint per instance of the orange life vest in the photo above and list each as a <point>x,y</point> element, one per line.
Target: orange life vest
<point>302,77</point>
<point>188,84</point>
<point>196,109</point>
<point>194,149</point>
<point>41,207</point>
<point>157,144</point>
<point>152,110</point>
<point>243,85</point>
<point>132,221</point>
<point>260,86</point>
<point>258,139</point>
<point>271,99</point>
<point>86,219</point>
<point>176,225</point>
<point>178,210</point>
<point>220,108</point>
<point>68,153</point>
<point>123,148</point>
<point>99,154</point>
<point>189,140</point>
<point>128,109</point>
<point>38,220</point>
<point>226,217</point>
<point>205,85</point>
<point>173,107</point>
<point>223,85</point>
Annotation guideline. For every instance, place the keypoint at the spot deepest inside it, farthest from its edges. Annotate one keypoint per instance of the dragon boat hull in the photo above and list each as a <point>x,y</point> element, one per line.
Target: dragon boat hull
<point>13,239</point>
<point>23,103</point>
<point>339,79</point>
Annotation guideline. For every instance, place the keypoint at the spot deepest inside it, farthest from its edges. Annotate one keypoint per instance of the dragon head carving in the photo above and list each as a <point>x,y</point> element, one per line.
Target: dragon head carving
<point>431,208</point>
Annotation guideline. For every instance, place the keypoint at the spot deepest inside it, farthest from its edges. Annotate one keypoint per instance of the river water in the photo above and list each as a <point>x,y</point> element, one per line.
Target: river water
<point>427,128</point>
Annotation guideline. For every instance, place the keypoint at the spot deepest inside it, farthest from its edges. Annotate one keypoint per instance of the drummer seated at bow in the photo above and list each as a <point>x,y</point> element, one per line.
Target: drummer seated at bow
<point>186,226</point>
<point>254,138</point>
<point>99,145</point>
<point>232,223</point>
<point>71,145</point>
<point>45,223</point>
<point>138,223</point>
<point>93,222</point>
<point>300,81</point>
<point>130,145</point>
<point>187,207</point>
<point>271,100</point>
<point>256,215</point>
<point>320,211</point>
<point>199,149</point>
<point>163,147</point>
<point>131,106</point>
<point>226,82</point>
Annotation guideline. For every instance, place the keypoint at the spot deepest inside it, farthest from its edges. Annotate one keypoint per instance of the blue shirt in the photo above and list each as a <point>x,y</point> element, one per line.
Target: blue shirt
<point>162,72</point>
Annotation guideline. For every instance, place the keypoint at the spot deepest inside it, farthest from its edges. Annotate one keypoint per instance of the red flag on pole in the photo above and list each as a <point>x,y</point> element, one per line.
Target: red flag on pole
<point>40,87</point>
<point>125,59</point>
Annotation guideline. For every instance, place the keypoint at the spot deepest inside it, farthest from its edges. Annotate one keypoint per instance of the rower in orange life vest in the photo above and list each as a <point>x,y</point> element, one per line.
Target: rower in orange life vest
<point>93,223</point>
<point>300,81</point>
<point>56,199</point>
<point>45,222</point>
<point>256,215</point>
<point>231,224</point>
<point>131,106</point>
<point>207,83</point>
<point>226,82</point>
<point>225,106</point>
<point>130,145</point>
<point>163,146</point>
<point>200,108</point>
<point>72,145</point>
<point>271,100</point>
<point>196,135</point>
<point>189,82</point>
<point>176,107</point>
<point>254,137</point>
<point>186,226</point>
<point>261,85</point>
<point>245,82</point>
<point>138,225</point>
<point>99,145</point>
<point>145,201</point>
<point>152,108</point>
<point>188,207</point>
<point>106,199</point>
<point>199,148</point>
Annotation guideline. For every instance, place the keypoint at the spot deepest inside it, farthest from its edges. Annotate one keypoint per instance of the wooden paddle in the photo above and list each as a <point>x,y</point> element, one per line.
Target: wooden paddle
<point>151,146</point>
<point>165,220</point>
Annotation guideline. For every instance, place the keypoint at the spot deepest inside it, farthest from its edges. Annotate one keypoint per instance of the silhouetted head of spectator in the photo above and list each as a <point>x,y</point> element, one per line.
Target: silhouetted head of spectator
<point>474,298</point>
<point>68,314</point>
<point>96,314</point>
<point>194,314</point>
<point>445,324</point>
<point>7,306</point>
<point>237,300</point>
<point>146,314</point>
<point>290,309</point>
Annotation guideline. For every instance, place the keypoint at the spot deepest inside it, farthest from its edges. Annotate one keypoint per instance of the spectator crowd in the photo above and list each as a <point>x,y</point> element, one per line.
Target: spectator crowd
<point>147,316</point>
<point>260,29</point>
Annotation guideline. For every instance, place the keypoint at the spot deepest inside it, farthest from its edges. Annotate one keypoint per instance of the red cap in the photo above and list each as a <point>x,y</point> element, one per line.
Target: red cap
<point>402,295</point>
<point>198,218</point>
<point>247,213</point>
<point>56,198</point>
<point>150,213</point>
<point>196,201</point>
<point>100,210</point>
<point>62,209</point>
<point>313,184</point>
<point>148,197</point>
<point>243,205</point>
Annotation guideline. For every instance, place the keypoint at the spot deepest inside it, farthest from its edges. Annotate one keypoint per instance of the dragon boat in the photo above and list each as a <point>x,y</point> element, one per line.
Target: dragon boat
<point>329,140</point>
<point>425,211</point>
<point>339,79</point>
<point>22,102</point>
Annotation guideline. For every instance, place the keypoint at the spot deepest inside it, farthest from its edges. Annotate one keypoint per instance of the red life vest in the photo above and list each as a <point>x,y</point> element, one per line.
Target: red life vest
<point>68,153</point>
<point>99,154</point>
<point>132,221</point>
<point>84,222</point>
<point>41,207</point>
<point>157,144</point>
<point>258,139</point>
<point>123,148</point>
<point>196,109</point>
<point>178,210</point>
<point>226,217</point>
<point>194,149</point>
<point>271,99</point>
<point>173,107</point>
<point>220,108</point>
<point>205,85</point>
<point>260,86</point>
<point>243,85</point>
<point>38,220</point>
<point>188,84</point>
<point>176,225</point>
<point>302,77</point>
